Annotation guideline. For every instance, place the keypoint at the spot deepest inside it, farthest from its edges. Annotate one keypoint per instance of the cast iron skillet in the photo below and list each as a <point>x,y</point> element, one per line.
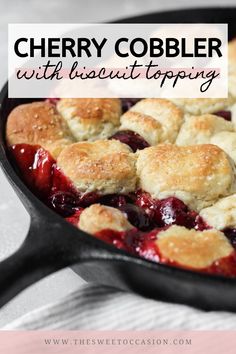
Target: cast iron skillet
<point>52,243</point>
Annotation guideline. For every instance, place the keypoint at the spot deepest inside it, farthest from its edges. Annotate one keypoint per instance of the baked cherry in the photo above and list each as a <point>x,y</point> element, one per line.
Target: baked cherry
<point>62,184</point>
<point>227,115</point>
<point>142,244</point>
<point>198,222</point>
<point>114,200</point>
<point>170,211</point>
<point>134,140</point>
<point>64,203</point>
<point>88,199</point>
<point>173,211</point>
<point>133,241</point>
<point>145,201</point>
<point>127,103</point>
<point>136,216</point>
<point>230,233</point>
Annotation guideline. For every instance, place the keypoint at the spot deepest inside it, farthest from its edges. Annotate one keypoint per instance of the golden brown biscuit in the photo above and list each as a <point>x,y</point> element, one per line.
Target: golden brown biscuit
<point>199,106</point>
<point>99,217</point>
<point>191,248</point>
<point>38,123</point>
<point>222,214</point>
<point>104,166</point>
<point>150,129</point>
<point>157,120</point>
<point>227,142</point>
<point>200,129</point>
<point>198,175</point>
<point>91,118</point>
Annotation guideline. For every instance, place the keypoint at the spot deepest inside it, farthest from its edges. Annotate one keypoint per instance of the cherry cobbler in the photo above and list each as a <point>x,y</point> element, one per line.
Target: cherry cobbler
<point>153,177</point>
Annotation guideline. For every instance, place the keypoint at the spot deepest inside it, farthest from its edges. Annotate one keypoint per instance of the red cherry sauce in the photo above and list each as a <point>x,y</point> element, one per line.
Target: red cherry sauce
<point>161,214</point>
<point>169,211</point>
<point>115,238</point>
<point>36,167</point>
<point>44,178</point>
<point>41,174</point>
<point>224,267</point>
<point>227,115</point>
<point>137,216</point>
<point>230,233</point>
<point>144,245</point>
<point>114,200</point>
<point>149,216</point>
<point>74,219</point>
<point>133,241</point>
<point>132,139</point>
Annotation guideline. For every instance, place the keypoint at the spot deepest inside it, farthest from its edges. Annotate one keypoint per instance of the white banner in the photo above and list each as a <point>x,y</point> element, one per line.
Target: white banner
<point>118,60</point>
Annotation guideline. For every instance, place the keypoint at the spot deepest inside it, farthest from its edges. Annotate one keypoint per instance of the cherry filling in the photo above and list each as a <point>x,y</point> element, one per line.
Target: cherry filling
<point>64,203</point>
<point>137,216</point>
<point>231,235</point>
<point>169,211</point>
<point>115,238</point>
<point>133,241</point>
<point>144,201</point>
<point>227,115</point>
<point>45,179</point>
<point>114,200</point>
<point>36,167</point>
<point>144,245</point>
<point>134,140</point>
<point>74,219</point>
<point>147,215</point>
<point>42,175</point>
<point>127,103</point>
<point>60,183</point>
<point>224,266</point>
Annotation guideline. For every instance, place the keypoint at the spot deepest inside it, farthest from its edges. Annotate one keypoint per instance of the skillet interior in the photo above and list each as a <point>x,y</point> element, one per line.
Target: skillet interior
<point>100,262</point>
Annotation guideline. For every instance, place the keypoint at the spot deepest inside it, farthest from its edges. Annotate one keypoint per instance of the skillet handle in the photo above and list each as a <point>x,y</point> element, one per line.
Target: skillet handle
<point>43,252</point>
